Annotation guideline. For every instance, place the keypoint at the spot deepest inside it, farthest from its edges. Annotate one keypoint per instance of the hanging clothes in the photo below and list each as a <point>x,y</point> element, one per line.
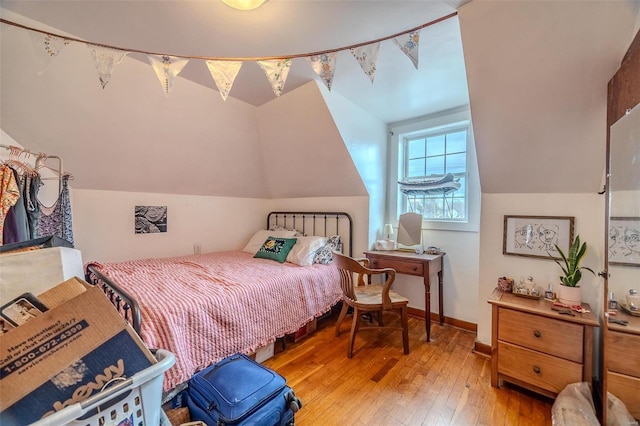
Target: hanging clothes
<point>9,194</point>
<point>56,219</point>
<point>16,225</point>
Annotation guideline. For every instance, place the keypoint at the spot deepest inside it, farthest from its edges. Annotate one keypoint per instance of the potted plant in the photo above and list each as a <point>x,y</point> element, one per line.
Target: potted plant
<point>570,292</point>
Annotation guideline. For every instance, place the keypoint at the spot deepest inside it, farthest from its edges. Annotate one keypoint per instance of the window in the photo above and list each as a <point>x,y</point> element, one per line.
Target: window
<point>432,155</point>
<point>431,147</point>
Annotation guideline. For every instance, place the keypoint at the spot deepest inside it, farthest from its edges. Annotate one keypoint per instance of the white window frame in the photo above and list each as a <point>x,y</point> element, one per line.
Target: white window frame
<point>441,122</point>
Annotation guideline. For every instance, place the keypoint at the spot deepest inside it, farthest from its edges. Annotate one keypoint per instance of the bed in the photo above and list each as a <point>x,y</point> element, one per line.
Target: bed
<point>207,306</point>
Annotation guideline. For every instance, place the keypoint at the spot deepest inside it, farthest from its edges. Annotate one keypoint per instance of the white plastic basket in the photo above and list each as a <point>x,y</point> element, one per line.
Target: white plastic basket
<point>143,402</point>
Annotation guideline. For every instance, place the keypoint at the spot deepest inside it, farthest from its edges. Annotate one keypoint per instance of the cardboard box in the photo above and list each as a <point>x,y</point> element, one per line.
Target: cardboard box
<point>65,354</point>
<point>37,270</point>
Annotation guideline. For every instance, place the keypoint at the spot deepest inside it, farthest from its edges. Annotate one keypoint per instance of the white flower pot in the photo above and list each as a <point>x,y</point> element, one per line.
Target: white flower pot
<point>569,295</point>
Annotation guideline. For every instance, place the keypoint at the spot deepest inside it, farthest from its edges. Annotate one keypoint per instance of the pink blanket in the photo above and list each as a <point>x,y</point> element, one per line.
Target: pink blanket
<point>205,307</point>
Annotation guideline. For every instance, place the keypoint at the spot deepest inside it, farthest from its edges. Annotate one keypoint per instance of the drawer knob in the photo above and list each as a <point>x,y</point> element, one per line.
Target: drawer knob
<point>536,369</point>
<point>415,268</point>
<point>537,334</point>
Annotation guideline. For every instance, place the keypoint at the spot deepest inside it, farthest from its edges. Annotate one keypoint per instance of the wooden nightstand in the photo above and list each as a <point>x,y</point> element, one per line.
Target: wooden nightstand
<point>538,348</point>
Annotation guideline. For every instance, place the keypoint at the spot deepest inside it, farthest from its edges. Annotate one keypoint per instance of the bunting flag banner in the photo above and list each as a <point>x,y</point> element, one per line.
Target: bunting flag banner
<point>324,65</point>
<point>276,71</point>
<point>47,47</point>
<point>409,43</point>
<point>224,74</point>
<point>167,68</point>
<point>105,59</point>
<point>367,56</point>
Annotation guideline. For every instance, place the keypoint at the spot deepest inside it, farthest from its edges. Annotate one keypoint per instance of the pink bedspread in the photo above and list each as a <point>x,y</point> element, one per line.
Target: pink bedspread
<point>205,307</point>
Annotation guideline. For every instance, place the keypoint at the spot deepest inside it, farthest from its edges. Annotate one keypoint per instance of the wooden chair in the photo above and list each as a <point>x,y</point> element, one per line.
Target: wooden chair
<point>368,298</point>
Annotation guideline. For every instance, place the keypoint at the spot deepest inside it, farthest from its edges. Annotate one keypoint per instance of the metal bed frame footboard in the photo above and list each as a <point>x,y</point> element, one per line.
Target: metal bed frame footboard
<point>126,305</point>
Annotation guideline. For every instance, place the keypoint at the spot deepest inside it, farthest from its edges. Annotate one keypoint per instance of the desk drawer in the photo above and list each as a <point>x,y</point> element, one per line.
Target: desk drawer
<point>538,369</point>
<point>401,266</point>
<point>548,335</point>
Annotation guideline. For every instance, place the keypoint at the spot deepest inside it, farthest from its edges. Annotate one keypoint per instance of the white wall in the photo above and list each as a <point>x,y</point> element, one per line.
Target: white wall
<point>588,210</point>
<point>366,140</point>
<point>103,224</point>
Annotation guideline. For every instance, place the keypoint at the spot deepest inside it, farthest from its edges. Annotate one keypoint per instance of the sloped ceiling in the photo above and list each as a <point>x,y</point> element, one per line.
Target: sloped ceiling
<point>537,75</point>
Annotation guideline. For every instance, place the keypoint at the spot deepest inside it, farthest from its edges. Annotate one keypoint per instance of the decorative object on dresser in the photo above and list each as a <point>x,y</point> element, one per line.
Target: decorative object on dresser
<point>569,292</point>
<point>421,265</point>
<point>538,348</point>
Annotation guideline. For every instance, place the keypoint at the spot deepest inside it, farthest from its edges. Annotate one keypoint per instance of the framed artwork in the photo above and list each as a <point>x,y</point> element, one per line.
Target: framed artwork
<point>624,241</point>
<point>537,236</point>
<point>150,219</point>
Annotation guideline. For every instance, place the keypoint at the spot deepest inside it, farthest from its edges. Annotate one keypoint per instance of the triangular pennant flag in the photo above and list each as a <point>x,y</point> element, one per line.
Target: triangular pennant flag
<point>105,59</point>
<point>409,43</point>
<point>367,56</point>
<point>276,71</point>
<point>324,65</point>
<point>224,74</point>
<point>47,47</point>
<point>167,68</point>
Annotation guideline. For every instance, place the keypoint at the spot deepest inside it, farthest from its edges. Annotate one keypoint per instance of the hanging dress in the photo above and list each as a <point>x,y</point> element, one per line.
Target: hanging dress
<point>16,225</point>
<point>56,220</point>
<point>9,194</point>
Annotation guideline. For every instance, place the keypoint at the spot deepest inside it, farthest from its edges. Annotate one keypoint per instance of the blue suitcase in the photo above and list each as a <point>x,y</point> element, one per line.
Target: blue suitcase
<point>239,391</point>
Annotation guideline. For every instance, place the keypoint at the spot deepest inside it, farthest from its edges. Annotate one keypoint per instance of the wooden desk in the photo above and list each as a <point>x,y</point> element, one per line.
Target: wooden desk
<point>421,265</point>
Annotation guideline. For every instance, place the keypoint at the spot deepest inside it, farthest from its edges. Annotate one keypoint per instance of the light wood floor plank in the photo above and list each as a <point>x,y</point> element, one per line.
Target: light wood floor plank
<point>438,383</point>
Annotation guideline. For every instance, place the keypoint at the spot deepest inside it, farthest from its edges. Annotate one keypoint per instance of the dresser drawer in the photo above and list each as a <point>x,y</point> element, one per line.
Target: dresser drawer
<point>625,388</point>
<point>541,370</point>
<point>548,335</point>
<point>401,266</point>
<point>623,353</point>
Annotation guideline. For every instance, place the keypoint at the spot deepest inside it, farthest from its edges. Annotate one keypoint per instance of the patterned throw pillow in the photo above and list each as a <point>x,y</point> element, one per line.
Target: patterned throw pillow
<point>324,256</point>
<point>276,249</point>
<point>281,228</point>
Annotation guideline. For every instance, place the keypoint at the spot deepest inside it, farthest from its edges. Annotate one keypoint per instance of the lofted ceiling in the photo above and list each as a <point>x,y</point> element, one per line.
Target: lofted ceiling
<point>533,72</point>
<point>283,27</point>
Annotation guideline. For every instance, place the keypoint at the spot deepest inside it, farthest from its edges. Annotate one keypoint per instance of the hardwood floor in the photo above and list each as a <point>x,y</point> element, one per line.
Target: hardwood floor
<point>439,383</point>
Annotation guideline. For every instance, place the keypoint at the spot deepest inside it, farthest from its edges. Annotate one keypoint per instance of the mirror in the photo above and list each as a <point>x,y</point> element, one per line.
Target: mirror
<point>410,229</point>
<point>620,370</point>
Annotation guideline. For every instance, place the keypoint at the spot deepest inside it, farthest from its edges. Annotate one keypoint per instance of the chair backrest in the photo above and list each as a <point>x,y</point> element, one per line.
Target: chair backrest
<point>350,267</point>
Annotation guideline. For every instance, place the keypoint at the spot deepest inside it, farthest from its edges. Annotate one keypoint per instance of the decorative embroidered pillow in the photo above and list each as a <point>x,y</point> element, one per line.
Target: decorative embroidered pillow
<point>275,249</point>
<point>259,238</point>
<point>297,233</point>
<point>324,256</point>
<point>305,249</point>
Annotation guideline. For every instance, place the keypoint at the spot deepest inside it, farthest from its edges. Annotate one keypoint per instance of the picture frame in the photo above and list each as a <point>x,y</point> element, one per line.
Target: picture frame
<point>536,236</point>
<point>20,310</point>
<point>624,241</point>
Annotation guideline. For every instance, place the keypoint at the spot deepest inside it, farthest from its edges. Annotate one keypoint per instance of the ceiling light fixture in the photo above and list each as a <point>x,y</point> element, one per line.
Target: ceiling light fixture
<point>244,4</point>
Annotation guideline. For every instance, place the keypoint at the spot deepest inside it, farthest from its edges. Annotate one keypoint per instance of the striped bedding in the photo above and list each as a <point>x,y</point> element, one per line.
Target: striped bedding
<point>208,306</point>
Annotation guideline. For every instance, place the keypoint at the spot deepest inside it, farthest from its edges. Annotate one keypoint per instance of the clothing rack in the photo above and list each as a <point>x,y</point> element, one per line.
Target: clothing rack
<point>41,157</point>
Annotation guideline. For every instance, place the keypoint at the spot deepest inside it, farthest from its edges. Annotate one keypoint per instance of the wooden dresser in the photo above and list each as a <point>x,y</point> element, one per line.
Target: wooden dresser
<point>623,362</point>
<point>538,348</point>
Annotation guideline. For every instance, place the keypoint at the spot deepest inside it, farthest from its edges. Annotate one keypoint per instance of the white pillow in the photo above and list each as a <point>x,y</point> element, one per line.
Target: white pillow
<point>261,236</point>
<point>305,250</point>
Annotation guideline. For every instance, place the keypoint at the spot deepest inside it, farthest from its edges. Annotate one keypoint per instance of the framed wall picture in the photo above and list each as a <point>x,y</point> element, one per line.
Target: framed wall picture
<point>537,236</point>
<point>624,241</point>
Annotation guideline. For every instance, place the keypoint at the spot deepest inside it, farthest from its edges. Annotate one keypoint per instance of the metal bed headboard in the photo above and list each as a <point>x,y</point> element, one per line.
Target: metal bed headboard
<point>324,224</point>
